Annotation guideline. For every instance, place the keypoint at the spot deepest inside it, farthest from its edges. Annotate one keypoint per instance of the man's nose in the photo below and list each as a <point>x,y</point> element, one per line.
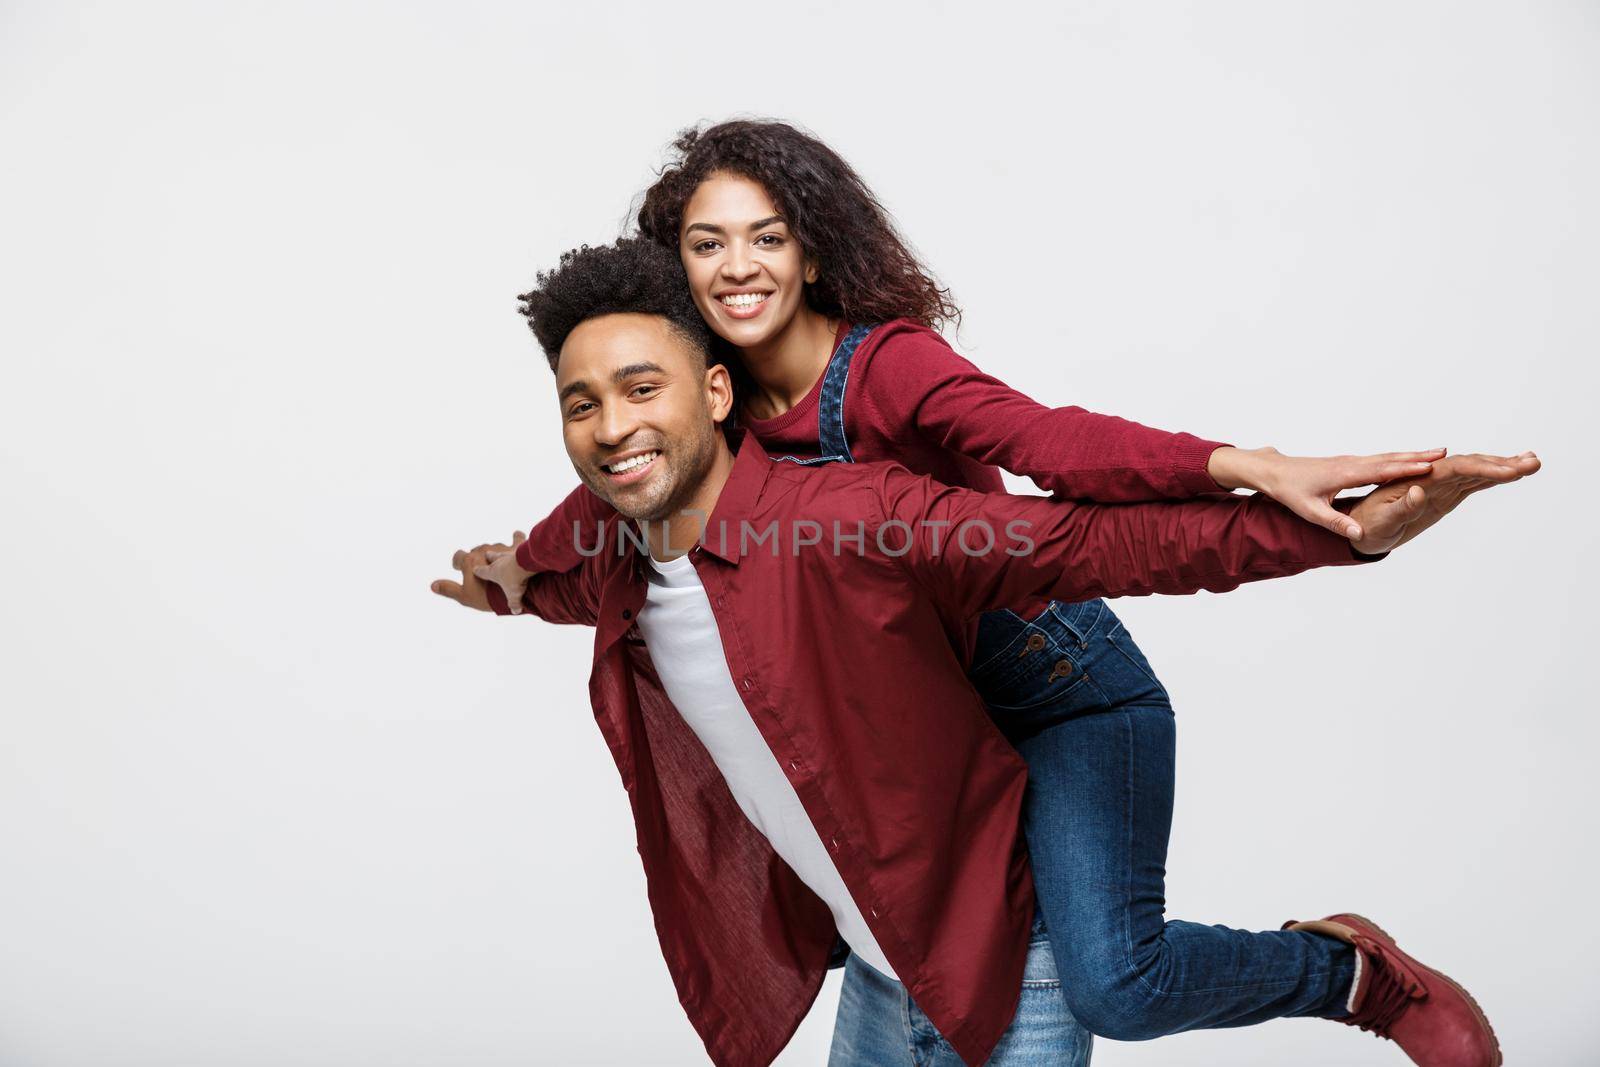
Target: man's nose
<point>615,424</point>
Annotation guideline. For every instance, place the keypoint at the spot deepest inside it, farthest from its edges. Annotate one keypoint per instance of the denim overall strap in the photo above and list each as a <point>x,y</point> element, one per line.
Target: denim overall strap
<point>831,439</point>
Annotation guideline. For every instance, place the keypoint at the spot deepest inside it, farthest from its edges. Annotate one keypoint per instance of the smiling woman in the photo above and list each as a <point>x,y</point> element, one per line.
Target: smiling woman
<point>831,320</point>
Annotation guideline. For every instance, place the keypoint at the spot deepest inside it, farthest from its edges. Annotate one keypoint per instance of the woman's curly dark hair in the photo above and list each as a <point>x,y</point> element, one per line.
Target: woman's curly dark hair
<point>632,275</point>
<point>866,272</point>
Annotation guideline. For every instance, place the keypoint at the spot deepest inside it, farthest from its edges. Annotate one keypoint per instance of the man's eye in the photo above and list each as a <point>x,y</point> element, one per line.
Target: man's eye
<point>579,409</point>
<point>644,390</point>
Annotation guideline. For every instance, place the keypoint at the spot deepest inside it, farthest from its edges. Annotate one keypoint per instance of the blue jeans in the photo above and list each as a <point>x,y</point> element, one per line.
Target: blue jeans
<point>879,1025</point>
<point>1079,700</point>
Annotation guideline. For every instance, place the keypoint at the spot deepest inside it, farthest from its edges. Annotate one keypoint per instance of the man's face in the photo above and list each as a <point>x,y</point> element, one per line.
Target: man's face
<point>639,412</point>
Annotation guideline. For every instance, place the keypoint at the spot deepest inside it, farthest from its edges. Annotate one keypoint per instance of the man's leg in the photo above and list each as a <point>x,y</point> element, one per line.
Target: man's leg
<point>871,1026</point>
<point>880,1026</point>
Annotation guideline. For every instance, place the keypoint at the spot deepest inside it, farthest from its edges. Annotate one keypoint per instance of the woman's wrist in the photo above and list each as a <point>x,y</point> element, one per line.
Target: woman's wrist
<point>1240,468</point>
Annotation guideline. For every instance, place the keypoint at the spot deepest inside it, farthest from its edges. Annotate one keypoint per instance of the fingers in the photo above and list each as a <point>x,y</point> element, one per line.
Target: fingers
<point>445,587</point>
<point>1426,455</point>
<point>1498,469</point>
<point>485,573</point>
<point>1320,513</point>
<point>517,538</point>
<point>1379,470</point>
<point>1391,515</point>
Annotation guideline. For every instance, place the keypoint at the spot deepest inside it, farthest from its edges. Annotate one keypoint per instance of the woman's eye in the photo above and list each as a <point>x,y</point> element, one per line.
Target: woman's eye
<point>771,240</point>
<point>705,246</point>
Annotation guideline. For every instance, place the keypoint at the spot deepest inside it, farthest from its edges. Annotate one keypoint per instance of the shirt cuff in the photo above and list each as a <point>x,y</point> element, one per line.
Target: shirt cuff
<point>497,597</point>
<point>1189,464</point>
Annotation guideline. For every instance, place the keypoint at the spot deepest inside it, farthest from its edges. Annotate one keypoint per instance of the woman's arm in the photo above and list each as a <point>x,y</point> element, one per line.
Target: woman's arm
<point>913,379</point>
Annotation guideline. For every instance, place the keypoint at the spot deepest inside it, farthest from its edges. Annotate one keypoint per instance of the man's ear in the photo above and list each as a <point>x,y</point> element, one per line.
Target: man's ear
<point>719,391</point>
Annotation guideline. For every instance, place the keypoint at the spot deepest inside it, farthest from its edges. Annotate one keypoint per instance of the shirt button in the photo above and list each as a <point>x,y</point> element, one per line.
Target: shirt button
<point>721,603</point>
<point>627,613</point>
<point>746,684</point>
<point>834,841</point>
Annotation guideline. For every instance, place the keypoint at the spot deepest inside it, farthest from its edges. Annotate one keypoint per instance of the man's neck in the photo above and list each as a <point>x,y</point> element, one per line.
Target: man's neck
<point>785,368</point>
<point>680,531</point>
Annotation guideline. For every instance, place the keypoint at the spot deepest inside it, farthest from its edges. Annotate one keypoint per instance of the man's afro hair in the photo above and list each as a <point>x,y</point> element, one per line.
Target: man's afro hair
<point>633,275</point>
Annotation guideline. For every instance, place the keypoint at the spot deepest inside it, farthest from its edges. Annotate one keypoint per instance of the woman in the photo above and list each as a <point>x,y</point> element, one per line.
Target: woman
<point>828,320</point>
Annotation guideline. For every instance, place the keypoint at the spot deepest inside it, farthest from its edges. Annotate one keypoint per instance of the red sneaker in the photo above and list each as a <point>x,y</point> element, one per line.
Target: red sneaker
<point>1433,1020</point>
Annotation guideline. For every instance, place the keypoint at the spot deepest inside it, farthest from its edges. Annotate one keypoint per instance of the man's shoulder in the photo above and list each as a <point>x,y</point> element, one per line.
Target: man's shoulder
<point>826,488</point>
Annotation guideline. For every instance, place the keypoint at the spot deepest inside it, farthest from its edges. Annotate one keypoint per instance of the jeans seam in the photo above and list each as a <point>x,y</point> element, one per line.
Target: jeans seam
<point>1111,640</point>
<point>1058,609</point>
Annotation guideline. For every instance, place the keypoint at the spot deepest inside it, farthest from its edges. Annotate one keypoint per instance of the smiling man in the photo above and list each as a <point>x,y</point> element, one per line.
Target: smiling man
<point>779,671</point>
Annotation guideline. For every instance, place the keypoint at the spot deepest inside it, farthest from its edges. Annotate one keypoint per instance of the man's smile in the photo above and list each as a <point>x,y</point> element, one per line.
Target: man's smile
<point>632,467</point>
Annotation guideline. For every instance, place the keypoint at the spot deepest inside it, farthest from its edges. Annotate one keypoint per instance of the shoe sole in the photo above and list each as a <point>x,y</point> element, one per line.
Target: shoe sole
<point>1499,1057</point>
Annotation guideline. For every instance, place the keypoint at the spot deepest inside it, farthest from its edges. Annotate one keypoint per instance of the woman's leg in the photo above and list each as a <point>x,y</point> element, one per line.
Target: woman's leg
<point>1097,815</point>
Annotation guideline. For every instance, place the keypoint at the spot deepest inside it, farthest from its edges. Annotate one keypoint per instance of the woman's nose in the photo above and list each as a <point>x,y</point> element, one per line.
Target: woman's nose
<point>738,265</point>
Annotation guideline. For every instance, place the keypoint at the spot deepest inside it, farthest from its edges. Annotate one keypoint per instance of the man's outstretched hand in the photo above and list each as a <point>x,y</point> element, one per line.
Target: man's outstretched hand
<point>485,564</point>
<point>1393,514</point>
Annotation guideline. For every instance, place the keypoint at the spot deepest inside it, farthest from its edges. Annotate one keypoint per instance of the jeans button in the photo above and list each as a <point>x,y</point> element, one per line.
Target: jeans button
<point>1063,668</point>
<point>1035,643</point>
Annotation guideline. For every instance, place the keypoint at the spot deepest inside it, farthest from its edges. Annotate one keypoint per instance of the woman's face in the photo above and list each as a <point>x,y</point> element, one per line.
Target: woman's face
<point>746,270</point>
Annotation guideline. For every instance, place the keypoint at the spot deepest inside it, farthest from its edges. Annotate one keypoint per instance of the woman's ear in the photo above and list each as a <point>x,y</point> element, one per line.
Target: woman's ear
<point>812,273</point>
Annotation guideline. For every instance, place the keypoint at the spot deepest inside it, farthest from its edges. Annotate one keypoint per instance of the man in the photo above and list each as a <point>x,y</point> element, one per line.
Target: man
<point>779,673</point>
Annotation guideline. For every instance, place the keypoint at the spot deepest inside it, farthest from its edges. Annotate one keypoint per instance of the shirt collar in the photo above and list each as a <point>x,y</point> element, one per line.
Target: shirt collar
<point>737,501</point>
<point>740,494</point>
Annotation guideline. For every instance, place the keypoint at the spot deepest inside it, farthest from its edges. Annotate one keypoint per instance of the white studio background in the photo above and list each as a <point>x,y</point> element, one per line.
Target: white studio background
<point>265,801</point>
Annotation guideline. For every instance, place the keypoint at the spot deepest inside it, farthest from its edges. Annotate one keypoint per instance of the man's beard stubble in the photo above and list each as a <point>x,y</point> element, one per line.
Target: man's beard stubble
<point>688,461</point>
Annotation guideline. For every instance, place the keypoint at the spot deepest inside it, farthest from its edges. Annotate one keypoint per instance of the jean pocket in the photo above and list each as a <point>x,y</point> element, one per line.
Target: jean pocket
<point>1039,971</point>
<point>1025,663</point>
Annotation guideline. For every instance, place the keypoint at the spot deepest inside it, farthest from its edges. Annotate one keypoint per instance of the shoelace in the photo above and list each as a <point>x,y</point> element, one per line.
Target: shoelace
<point>1391,988</point>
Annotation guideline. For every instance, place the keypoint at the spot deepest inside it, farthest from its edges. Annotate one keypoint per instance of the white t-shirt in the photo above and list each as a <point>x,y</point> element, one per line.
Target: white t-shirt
<point>681,634</point>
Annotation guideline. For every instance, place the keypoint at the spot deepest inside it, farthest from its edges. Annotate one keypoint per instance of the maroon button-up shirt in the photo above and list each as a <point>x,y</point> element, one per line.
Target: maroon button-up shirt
<point>851,664</point>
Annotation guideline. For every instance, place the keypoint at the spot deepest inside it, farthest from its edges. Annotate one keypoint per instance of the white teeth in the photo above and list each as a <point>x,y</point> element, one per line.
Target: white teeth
<point>744,300</point>
<point>632,462</point>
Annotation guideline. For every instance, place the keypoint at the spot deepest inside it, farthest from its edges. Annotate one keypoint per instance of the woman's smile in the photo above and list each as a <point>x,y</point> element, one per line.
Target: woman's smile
<point>743,303</point>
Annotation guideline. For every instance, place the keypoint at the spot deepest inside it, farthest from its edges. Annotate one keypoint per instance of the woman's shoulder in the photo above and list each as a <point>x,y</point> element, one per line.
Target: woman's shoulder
<point>903,333</point>
<point>905,356</point>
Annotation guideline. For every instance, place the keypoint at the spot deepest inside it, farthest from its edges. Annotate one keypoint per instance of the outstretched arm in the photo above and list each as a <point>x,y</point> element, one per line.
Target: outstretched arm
<point>558,544</point>
<point>1073,551</point>
<point>915,379</point>
<point>569,597</point>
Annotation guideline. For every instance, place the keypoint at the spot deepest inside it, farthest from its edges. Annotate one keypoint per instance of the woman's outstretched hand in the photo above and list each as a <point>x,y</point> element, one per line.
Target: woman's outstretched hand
<point>1307,485</point>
